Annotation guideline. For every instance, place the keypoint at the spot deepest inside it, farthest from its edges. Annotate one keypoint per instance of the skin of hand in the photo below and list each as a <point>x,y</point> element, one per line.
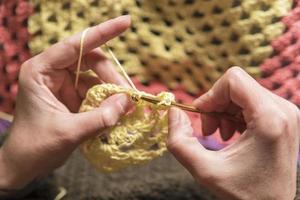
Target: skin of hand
<point>262,162</point>
<point>46,127</point>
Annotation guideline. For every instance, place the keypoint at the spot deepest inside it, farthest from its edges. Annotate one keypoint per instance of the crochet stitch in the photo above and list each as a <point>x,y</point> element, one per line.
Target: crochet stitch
<point>138,137</point>
<point>155,24</point>
<point>209,37</point>
<point>189,43</point>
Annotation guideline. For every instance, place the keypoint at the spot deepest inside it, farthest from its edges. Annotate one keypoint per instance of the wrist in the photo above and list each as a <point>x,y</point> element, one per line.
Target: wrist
<point>10,186</point>
<point>10,179</point>
<point>6,181</point>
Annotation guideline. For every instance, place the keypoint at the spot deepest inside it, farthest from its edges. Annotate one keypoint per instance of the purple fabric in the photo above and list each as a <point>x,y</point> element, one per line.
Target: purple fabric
<point>211,143</point>
<point>4,125</point>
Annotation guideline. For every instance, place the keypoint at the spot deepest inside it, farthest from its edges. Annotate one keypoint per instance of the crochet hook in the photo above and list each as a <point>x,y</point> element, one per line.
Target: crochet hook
<point>6,117</point>
<point>190,108</point>
<point>233,118</point>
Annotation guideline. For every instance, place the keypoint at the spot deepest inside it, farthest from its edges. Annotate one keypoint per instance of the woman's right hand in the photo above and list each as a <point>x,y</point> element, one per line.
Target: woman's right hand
<point>262,162</point>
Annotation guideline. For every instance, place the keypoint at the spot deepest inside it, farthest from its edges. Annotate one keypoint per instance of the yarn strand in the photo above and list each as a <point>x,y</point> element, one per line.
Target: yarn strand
<point>80,57</point>
<point>121,67</point>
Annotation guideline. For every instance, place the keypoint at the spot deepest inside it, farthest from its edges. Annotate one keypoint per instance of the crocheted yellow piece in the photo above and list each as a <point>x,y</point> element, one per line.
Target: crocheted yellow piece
<point>187,42</point>
<point>137,138</point>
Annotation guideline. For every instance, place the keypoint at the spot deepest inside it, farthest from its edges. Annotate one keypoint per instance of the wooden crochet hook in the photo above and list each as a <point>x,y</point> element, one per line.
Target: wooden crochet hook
<point>190,108</point>
<point>233,118</point>
<point>6,117</point>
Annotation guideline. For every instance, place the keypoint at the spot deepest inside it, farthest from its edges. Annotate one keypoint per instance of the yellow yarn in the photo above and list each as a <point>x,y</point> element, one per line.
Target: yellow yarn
<point>137,138</point>
<point>112,152</point>
<point>187,42</point>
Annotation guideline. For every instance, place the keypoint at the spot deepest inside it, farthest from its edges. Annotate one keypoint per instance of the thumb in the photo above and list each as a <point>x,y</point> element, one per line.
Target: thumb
<point>186,148</point>
<point>107,115</point>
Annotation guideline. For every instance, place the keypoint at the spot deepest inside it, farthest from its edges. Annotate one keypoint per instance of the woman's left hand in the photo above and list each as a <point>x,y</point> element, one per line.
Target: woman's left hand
<point>46,128</point>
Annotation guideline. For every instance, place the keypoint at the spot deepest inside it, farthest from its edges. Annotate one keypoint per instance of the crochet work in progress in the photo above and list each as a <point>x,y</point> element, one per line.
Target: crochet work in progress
<point>138,137</point>
<point>184,43</point>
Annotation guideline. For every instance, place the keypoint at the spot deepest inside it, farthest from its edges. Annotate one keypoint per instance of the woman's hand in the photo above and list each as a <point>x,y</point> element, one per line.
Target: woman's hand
<point>262,163</point>
<point>47,128</point>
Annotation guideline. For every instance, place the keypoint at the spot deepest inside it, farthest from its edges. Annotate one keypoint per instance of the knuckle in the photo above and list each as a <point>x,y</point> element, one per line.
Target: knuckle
<point>294,118</point>
<point>295,110</point>
<point>107,118</point>
<point>25,68</point>
<point>120,108</point>
<point>280,124</point>
<point>67,44</point>
<point>26,72</point>
<point>233,75</point>
<point>287,118</point>
<point>31,70</point>
<point>234,71</point>
<point>26,64</point>
<point>283,124</point>
<point>100,33</point>
<point>279,119</point>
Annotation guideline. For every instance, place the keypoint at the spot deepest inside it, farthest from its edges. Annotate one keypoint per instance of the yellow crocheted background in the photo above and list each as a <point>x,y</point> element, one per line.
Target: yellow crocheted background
<point>179,42</point>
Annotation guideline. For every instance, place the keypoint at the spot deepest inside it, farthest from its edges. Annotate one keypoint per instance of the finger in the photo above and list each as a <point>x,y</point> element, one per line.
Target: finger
<point>69,95</point>
<point>86,82</point>
<point>107,115</point>
<point>65,53</point>
<point>186,148</point>
<point>90,81</point>
<point>82,89</point>
<point>209,124</point>
<point>96,61</point>
<point>178,118</point>
<point>227,129</point>
<point>241,128</point>
<point>104,68</point>
<point>235,86</point>
<point>233,109</point>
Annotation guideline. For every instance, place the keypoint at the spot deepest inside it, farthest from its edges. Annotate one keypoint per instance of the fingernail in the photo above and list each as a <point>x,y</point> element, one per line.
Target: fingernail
<point>126,17</point>
<point>122,99</point>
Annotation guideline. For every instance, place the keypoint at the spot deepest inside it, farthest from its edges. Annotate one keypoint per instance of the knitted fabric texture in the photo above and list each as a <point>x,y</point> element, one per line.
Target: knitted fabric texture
<point>189,43</point>
<point>155,25</point>
<point>13,48</point>
<point>184,45</point>
<point>281,71</point>
<point>137,138</point>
